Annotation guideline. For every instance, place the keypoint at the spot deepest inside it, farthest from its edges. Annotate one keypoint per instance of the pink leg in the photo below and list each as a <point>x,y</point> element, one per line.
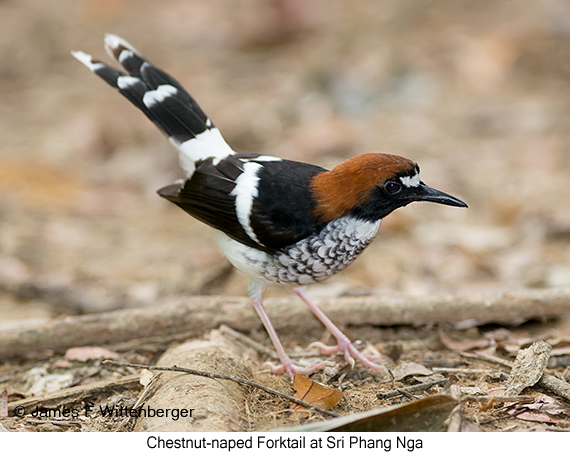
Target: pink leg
<point>343,343</point>
<point>256,293</point>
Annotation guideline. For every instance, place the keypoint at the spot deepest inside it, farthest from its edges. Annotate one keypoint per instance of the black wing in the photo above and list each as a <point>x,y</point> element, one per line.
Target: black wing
<point>281,212</point>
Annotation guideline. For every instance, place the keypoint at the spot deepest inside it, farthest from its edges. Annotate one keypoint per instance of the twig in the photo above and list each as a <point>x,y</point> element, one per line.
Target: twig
<point>453,370</point>
<point>489,358</point>
<point>60,422</point>
<point>496,399</point>
<point>239,380</point>
<point>507,416</point>
<point>551,428</point>
<point>407,394</point>
<point>555,385</point>
<point>414,388</point>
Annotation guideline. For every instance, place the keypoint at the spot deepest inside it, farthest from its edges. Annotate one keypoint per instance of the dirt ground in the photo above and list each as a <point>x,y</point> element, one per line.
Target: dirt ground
<point>478,93</point>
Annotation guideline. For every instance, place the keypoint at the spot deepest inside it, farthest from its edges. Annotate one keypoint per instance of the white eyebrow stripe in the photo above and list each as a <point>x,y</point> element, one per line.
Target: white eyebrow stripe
<point>411,181</point>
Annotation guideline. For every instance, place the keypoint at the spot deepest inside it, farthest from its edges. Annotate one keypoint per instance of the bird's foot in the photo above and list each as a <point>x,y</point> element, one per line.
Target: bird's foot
<point>350,353</point>
<point>344,345</point>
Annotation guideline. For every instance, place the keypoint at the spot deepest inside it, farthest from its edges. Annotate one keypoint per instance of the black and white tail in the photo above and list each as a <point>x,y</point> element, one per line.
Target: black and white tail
<point>163,100</point>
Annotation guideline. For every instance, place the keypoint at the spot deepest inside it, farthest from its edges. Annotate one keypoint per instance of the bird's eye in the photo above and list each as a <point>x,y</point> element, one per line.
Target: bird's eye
<point>392,187</point>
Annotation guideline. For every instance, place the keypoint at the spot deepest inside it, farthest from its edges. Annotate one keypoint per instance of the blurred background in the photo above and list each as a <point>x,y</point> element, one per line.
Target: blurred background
<point>478,93</point>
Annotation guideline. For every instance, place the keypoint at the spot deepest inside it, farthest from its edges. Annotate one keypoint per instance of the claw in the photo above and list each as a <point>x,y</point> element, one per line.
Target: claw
<point>351,354</point>
<point>349,359</point>
<point>344,345</point>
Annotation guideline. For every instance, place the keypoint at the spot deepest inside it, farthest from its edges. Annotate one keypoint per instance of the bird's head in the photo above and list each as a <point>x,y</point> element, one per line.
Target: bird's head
<point>371,186</point>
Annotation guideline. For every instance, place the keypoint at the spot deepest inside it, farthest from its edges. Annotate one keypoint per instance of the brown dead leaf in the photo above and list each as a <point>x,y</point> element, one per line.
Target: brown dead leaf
<point>86,353</point>
<point>315,393</point>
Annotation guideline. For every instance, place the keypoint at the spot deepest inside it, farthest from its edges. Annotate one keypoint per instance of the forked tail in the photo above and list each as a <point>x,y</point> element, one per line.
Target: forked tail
<point>163,100</point>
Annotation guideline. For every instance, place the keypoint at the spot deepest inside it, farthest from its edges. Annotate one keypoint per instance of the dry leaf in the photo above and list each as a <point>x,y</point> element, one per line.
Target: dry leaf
<point>315,393</point>
<point>404,370</point>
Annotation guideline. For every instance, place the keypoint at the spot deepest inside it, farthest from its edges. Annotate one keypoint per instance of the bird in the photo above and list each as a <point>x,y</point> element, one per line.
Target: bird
<point>281,222</point>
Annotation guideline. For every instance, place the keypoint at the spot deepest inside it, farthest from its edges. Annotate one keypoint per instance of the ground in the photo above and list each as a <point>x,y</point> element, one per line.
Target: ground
<point>477,93</point>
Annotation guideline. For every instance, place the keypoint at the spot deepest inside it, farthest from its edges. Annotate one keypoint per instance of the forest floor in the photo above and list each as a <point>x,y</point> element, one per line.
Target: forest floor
<point>477,94</point>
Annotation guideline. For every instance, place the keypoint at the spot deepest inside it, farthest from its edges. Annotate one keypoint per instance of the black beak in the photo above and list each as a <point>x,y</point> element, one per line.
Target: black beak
<point>425,193</point>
